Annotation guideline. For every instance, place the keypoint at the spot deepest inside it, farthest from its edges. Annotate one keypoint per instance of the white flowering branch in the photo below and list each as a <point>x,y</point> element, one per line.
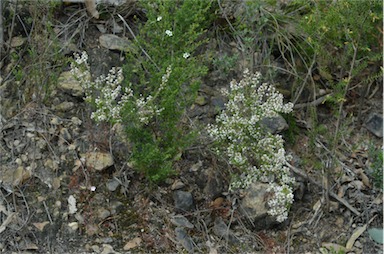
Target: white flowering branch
<point>249,146</point>
<point>111,97</point>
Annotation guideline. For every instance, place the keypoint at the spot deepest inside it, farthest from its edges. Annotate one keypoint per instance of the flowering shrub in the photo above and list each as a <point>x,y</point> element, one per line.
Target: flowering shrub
<point>249,146</point>
<point>160,82</point>
<point>108,96</point>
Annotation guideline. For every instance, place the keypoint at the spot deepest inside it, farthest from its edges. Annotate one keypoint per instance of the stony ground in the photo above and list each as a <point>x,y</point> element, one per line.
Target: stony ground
<point>66,186</point>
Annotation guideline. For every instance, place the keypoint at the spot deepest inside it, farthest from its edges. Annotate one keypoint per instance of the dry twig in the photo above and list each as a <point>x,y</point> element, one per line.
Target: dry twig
<point>331,193</point>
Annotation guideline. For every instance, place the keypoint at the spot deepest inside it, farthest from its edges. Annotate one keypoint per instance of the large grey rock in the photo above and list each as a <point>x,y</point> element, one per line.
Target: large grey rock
<point>254,206</point>
<point>275,124</point>
<point>375,124</point>
<point>183,200</point>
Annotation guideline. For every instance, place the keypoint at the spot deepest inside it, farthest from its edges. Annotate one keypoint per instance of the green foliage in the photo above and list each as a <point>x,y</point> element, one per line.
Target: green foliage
<point>376,159</point>
<point>334,31</point>
<point>267,31</point>
<point>293,130</point>
<point>169,38</point>
<point>225,63</point>
<point>40,54</point>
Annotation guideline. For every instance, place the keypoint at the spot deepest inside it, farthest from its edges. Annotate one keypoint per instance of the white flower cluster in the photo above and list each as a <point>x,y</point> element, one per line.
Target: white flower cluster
<point>111,97</point>
<point>249,146</point>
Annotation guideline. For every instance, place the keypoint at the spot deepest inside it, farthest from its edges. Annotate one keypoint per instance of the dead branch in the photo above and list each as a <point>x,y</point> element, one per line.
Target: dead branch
<point>331,193</point>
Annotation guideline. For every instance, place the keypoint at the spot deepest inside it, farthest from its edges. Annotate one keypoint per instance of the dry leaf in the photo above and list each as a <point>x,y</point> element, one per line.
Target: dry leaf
<point>132,243</point>
<point>364,178</point>
<point>40,225</point>
<point>358,232</point>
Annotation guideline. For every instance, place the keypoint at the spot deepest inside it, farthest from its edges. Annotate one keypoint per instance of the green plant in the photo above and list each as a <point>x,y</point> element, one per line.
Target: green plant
<point>39,54</point>
<point>241,137</point>
<point>168,40</point>
<point>160,82</point>
<point>344,36</point>
<point>376,159</point>
<point>224,63</point>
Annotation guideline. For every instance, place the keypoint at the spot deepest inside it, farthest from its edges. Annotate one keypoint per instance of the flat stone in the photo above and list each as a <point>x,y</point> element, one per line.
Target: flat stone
<point>17,41</point>
<point>68,83</point>
<point>183,200</point>
<point>181,221</point>
<point>221,229</point>
<point>275,124</point>
<point>183,238</point>
<point>375,124</point>
<point>219,102</point>
<point>103,213</point>
<point>253,204</point>
<point>112,184</point>
<point>114,42</point>
<point>98,161</point>
<point>65,106</point>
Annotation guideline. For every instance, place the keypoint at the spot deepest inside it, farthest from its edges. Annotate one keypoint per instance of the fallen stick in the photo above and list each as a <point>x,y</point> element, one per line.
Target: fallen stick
<point>331,193</point>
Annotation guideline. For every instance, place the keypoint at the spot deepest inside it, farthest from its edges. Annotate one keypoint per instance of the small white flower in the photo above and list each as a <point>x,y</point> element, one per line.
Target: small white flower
<point>186,55</point>
<point>159,18</point>
<point>168,32</point>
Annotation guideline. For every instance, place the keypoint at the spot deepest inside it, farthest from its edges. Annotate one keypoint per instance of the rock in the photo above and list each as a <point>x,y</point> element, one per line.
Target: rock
<point>69,84</point>
<point>132,243</point>
<point>375,124</point>
<point>181,221</point>
<point>73,226</point>
<point>184,239</point>
<point>183,200</point>
<point>103,213</point>
<point>65,106</point>
<point>275,124</point>
<point>17,41</point>
<point>112,184</point>
<point>218,102</point>
<point>108,249</point>
<point>64,133</point>
<point>20,175</point>
<point>200,100</point>
<point>221,230</point>
<point>76,121</point>
<point>253,206</point>
<point>213,183</point>
<point>98,161</point>
<point>72,209</point>
<point>56,121</point>
<point>114,42</point>
<point>178,184</point>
